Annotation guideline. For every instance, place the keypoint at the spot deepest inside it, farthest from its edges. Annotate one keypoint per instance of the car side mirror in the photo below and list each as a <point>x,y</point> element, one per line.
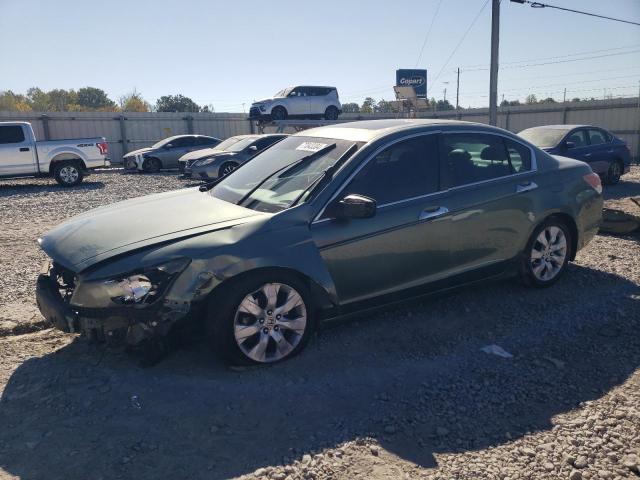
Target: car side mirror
<point>353,206</point>
<point>569,145</point>
<point>168,145</point>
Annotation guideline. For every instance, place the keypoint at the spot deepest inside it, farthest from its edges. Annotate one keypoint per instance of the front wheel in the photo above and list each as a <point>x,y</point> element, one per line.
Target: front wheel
<point>614,173</point>
<point>262,319</point>
<point>547,254</point>
<point>227,168</point>
<point>278,113</point>
<point>331,113</point>
<point>151,165</point>
<point>68,174</point>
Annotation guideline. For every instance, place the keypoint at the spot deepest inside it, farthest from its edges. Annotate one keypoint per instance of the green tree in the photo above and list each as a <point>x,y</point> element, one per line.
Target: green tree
<point>133,102</point>
<point>510,103</point>
<point>176,103</point>
<point>38,99</point>
<point>547,100</point>
<point>576,99</point>
<point>351,107</point>
<point>368,105</point>
<point>383,106</point>
<point>91,98</point>
<point>61,100</point>
<point>444,105</point>
<point>531,99</point>
<point>13,102</point>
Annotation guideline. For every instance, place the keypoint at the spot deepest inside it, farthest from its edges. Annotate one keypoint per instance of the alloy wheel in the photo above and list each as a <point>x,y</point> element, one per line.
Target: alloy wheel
<point>69,174</point>
<point>548,253</point>
<point>228,169</point>
<point>270,322</point>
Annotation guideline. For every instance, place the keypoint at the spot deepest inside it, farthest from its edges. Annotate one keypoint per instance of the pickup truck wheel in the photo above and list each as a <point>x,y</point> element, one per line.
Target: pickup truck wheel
<point>331,113</point>
<point>151,165</point>
<point>68,174</point>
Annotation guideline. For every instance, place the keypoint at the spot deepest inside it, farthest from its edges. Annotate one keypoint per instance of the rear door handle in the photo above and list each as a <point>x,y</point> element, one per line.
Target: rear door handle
<point>431,213</point>
<point>24,149</point>
<point>526,186</point>
<point>587,154</point>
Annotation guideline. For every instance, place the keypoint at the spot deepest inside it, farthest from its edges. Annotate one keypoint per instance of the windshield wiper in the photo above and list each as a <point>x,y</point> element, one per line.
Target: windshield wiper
<point>306,158</point>
<point>327,175</point>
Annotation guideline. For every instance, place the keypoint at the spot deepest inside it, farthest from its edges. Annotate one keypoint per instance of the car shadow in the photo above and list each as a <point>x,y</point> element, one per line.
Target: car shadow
<point>412,376</point>
<point>623,189</point>
<point>28,187</point>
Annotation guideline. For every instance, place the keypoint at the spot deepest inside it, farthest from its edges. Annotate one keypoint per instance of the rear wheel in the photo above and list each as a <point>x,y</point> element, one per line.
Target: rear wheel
<point>264,318</point>
<point>614,173</point>
<point>331,113</point>
<point>278,113</point>
<point>547,254</point>
<point>68,174</point>
<point>151,165</point>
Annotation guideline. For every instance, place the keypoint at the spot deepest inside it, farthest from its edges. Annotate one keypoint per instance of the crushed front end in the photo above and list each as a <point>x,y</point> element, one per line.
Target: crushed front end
<point>128,308</point>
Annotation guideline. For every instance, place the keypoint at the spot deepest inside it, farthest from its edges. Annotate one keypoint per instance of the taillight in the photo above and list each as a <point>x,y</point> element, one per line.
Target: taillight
<point>103,147</point>
<point>593,179</point>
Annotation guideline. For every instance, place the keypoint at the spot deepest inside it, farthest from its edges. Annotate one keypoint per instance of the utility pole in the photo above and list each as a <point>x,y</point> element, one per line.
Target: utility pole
<point>444,99</point>
<point>493,75</point>
<point>458,90</point>
<point>564,97</point>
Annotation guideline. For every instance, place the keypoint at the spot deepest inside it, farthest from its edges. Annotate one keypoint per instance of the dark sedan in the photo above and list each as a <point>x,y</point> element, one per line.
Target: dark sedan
<point>215,163</point>
<point>323,223</point>
<point>607,155</point>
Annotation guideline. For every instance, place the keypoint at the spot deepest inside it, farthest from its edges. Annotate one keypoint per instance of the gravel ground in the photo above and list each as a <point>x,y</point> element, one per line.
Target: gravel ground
<point>404,392</point>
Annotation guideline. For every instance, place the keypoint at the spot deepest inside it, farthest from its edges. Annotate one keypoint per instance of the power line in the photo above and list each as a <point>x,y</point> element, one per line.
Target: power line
<point>433,19</point>
<point>555,62</point>
<point>555,57</point>
<point>461,40</point>
<point>544,5</point>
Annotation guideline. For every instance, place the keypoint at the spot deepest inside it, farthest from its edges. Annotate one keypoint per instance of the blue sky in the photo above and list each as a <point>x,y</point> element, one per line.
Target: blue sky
<point>227,53</point>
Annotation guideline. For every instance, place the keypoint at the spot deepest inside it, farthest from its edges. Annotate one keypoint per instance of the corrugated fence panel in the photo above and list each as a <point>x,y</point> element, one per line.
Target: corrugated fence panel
<point>621,116</point>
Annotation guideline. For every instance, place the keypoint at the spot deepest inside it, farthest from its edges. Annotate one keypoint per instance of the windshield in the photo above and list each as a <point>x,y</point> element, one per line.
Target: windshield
<point>283,180</point>
<point>162,142</point>
<point>225,144</point>
<point>241,144</point>
<point>284,92</point>
<point>543,137</point>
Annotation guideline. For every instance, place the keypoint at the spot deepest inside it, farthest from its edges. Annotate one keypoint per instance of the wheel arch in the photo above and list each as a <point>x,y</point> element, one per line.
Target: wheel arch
<point>319,295</point>
<point>66,157</point>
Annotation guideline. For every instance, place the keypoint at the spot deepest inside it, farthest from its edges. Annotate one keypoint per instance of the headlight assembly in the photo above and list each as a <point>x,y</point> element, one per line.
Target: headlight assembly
<point>136,288</point>
<point>206,161</point>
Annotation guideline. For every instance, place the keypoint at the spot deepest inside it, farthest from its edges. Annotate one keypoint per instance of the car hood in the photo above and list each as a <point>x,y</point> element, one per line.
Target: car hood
<point>102,233</point>
<point>264,100</point>
<point>140,150</point>
<point>207,152</point>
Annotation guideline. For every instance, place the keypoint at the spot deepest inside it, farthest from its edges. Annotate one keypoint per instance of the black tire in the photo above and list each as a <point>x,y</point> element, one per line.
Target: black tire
<point>331,113</point>
<point>527,273</point>
<point>227,168</point>
<point>278,113</point>
<point>614,173</point>
<point>223,307</point>
<point>68,173</point>
<point>151,165</point>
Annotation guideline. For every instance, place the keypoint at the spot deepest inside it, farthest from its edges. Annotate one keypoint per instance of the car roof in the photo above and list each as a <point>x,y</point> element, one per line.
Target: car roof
<point>368,130</point>
<point>562,127</point>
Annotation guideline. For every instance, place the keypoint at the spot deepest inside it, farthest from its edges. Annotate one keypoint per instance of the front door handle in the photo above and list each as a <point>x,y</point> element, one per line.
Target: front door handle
<point>24,149</point>
<point>526,186</point>
<point>587,154</point>
<point>431,213</point>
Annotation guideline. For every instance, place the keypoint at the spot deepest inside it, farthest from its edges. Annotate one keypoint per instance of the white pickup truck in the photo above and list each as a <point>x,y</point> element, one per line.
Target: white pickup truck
<point>68,161</point>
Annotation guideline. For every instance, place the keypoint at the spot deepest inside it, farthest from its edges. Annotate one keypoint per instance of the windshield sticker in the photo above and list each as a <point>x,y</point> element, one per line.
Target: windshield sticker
<point>311,146</point>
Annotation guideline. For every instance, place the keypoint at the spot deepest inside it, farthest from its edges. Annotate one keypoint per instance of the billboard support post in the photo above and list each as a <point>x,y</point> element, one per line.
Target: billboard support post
<point>493,75</point>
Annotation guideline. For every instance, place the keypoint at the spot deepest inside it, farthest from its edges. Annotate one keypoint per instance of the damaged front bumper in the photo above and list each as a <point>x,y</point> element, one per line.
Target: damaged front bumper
<point>122,325</point>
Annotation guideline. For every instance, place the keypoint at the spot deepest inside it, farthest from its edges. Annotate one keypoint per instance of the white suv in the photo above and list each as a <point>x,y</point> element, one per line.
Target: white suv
<point>299,102</point>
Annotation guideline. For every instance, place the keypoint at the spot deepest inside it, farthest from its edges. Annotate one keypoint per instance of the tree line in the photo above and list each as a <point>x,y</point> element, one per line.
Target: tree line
<point>91,99</point>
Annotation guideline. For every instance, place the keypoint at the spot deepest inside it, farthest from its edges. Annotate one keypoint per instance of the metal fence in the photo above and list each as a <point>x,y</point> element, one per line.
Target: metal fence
<point>129,131</point>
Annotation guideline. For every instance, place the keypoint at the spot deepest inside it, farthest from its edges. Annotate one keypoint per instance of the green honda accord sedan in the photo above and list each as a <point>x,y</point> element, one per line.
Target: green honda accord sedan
<point>325,222</point>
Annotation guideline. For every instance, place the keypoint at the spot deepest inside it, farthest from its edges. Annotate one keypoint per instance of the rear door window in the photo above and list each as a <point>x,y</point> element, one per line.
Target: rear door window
<point>519,156</point>
<point>597,137</point>
<point>11,134</point>
<point>405,170</point>
<point>578,138</point>
<point>476,157</point>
